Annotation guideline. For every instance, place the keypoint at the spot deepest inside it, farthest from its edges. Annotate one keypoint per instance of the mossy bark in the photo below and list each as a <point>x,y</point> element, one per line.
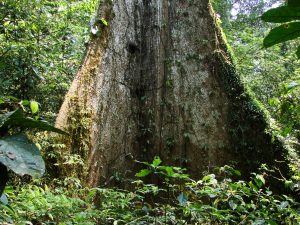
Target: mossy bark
<point>158,81</point>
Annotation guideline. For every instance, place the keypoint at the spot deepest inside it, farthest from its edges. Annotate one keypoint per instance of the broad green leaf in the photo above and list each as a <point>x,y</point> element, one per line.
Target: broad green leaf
<point>259,180</point>
<point>156,161</point>
<point>21,155</point>
<point>237,173</point>
<point>282,33</point>
<point>182,198</point>
<point>274,101</point>
<point>25,102</point>
<point>271,222</point>
<point>169,170</point>
<point>34,106</point>
<point>18,119</point>
<point>143,173</point>
<point>281,14</point>
<point>208,177</point>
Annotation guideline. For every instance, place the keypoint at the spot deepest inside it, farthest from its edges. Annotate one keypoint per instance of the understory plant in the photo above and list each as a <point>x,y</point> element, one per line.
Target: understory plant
<point>17,152</point>
<point>219,198</point>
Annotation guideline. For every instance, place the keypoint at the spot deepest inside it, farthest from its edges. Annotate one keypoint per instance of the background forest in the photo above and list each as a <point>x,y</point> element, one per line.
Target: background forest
<point>42,44</point>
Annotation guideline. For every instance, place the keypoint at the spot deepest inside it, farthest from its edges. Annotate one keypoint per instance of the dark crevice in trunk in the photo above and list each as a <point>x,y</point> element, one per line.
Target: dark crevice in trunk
<point>154,84</point>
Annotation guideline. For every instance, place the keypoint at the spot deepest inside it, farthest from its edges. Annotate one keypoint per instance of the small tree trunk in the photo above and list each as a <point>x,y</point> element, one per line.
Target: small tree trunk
<point>158,81</point>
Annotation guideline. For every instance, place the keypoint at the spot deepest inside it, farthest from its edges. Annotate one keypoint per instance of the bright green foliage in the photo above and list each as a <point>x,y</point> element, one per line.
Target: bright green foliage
<point>143,173</point>
<point>165,171</point>
<point>34,205</point>
<point>18,118</point>
<point>287,103</point>
<point>41,46</point>
<point>214,199</point>
<point>104,21</point>
<point>281,14</point>
<point>288,107</point>
<point>17,152</point>
<point>284,32</point>
<point>34,106</point>
<point>265,72</point>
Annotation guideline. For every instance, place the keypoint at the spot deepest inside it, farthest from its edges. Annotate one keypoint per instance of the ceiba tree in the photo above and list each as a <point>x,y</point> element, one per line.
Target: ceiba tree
<point>157,79</point>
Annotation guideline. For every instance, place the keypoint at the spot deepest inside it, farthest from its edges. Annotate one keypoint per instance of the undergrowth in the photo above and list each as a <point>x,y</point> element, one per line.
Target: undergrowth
<point>217,198</point>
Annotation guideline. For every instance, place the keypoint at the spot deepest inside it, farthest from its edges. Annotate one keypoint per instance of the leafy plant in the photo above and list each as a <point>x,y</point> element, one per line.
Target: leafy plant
<point>288,108</point>
<point>17,152</point>
<point>215,199</point>
<point>167,172</point>
<point>32,204</point>
<point>41,46</point>
<point>218,198</point>
<point>289,30</point>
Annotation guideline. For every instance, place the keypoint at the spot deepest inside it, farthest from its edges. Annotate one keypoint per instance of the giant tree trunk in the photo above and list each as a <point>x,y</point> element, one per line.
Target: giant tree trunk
<point>158,81</point>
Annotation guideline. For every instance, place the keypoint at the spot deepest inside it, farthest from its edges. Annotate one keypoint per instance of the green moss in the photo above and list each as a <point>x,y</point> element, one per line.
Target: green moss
<point>252,129</point>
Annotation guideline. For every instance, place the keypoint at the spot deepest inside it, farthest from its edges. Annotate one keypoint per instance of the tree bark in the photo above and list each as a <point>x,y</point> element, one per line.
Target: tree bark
<point>158,80</point>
